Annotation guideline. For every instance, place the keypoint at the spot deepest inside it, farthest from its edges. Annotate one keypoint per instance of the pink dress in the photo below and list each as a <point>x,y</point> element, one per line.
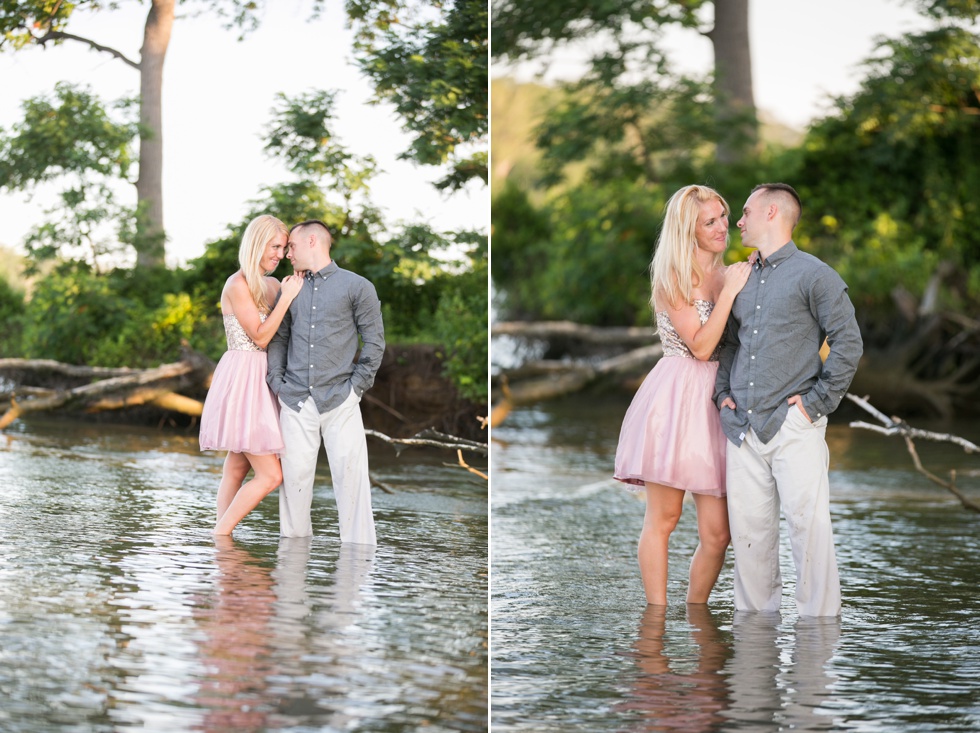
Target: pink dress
<point>671,433</point>
<point>240,413</point>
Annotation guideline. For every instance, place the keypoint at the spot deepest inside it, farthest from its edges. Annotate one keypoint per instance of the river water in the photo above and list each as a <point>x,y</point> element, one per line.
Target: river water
<point>119,610</point>
<point>575,648</point>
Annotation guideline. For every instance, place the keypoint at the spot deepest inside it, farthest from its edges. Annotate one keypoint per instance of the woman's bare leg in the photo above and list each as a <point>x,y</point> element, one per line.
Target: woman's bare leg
<point>268,475</point>
<point>235,470</point>
<point>663,510</point>
<point>714,537</point>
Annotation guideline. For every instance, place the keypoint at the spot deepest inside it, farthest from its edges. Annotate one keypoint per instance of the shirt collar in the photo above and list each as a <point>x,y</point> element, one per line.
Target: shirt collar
<point>324,273</point>
<point>782,254</point>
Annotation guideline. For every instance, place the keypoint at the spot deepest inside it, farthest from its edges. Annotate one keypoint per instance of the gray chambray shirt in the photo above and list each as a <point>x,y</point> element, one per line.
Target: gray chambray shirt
<point>771,349</point>
<point>312,353</point>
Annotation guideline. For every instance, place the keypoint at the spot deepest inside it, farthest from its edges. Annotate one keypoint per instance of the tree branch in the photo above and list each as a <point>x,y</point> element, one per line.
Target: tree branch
<point>895,426</point>
<point>433,439</point>
<point>61,35</point>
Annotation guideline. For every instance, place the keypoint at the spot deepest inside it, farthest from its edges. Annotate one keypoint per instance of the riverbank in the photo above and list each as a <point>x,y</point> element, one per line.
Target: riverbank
<point>409,395</point>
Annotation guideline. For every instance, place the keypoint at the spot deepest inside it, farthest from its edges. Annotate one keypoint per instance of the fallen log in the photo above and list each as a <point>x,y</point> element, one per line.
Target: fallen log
<point>431,438</point>
<point>435,439</point>
<point>549,330</point>
<point>897,426</point>
<point>114,388</point>
<point>163,398</point>
<point>57,367</point>
<point>544,380</point>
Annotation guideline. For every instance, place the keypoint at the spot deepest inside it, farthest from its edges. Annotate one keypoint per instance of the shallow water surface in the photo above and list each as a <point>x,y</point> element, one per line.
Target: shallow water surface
<point>119,610</point>
<point>574,646</point>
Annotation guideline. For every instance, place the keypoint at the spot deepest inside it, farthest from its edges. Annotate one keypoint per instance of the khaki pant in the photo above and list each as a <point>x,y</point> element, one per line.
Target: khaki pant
<point>789,472</point>
<point>342,432</point>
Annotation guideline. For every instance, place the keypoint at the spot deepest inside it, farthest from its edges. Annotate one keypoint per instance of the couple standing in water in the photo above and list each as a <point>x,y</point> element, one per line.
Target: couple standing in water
<point>736,410</point>
<point>291,377</point>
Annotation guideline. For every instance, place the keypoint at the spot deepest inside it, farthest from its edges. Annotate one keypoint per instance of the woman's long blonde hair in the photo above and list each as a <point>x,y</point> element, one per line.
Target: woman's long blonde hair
<point>259,232</point>
<point>674,271</point>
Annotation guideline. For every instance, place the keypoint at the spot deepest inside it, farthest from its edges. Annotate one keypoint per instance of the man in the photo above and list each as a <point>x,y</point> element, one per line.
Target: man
<point>774,394</point>
<point>313,372</point>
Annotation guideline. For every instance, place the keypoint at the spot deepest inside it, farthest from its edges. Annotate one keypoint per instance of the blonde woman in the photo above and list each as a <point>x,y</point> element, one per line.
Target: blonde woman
<point>671,440</point>
<point>241,415</point>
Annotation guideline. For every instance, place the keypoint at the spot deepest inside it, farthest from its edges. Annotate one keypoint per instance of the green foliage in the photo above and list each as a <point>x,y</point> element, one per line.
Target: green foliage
<point>154,335</point>
<point>71,133</point>
<point>461,324</point>
<point>71,309</point>
<point>78,316</point>
<point>301,135</point>
<point>584,258</point>
<point>430,59</point>
<point>12,309</point>
<point>892,176</point>
<point>522,29</point>
<point>638,132</point>
<point>521,236</point>
<point>73,138</point>
<point>21,20</point>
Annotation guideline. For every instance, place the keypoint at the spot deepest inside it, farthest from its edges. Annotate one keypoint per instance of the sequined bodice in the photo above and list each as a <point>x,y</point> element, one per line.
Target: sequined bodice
<point>672,342</point>
<point>238,340</point>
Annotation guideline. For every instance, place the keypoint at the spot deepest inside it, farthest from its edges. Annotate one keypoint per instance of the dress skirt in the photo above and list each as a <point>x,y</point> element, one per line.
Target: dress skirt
<point>671,433</point>
<point>240,412</point>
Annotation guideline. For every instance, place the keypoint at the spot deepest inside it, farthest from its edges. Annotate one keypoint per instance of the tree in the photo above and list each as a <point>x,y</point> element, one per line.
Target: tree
<point>627,33</point>
<point>430,59</point>
<point>71,136</point>
<point>894,171</point>
<point>42,22</point>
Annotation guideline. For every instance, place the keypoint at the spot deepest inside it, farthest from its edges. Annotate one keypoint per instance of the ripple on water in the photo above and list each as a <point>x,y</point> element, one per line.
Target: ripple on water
<point>573,648</point>
<point>118,609</point>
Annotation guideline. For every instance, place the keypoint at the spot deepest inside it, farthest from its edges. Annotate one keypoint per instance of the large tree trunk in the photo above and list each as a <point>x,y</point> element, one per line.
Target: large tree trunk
<point>733,79</point>
<point>150,237</point>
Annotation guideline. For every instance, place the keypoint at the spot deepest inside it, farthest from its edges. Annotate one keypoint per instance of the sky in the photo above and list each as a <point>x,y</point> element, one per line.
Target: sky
<point>217,100</point>
<point>802,51</point>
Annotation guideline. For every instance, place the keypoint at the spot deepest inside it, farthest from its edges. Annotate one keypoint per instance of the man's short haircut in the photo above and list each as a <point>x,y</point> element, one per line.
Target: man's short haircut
<point>312,222</point>
<point>786,189</point>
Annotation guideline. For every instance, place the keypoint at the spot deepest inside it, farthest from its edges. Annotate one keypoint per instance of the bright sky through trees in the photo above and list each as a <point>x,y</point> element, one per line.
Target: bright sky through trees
<point>218,97</point>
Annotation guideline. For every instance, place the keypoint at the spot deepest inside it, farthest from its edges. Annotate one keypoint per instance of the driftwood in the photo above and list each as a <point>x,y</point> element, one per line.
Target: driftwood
<point>613,353</point>
<point>431,438</point>
<point>552,330</point>
<point>922,361</point>
<point>434,439</point>
<point>114,388</point>
<point>541,380</point>
<point>897,426</point>
<point>119,388</point>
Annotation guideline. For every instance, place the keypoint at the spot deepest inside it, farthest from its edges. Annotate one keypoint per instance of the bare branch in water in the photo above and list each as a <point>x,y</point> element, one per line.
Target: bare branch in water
<point>897,426</point>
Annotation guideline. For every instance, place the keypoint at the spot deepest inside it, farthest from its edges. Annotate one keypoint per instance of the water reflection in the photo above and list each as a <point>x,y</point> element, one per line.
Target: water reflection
<point>264,632</point>
<point>758,674</point>
<point>571,651</point>
<point>236,648</point>
<point>681,694</point>
<point>764,688</point>
<point>317,648</point>
<point>118,609</point>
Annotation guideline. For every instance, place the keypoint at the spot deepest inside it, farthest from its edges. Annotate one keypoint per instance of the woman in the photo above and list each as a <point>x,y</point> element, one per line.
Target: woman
<point>240,413</point>
<point>671,440</point>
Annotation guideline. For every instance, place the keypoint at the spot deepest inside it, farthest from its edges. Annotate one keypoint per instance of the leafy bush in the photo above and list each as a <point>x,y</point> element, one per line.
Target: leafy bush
<point>12,310</point>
